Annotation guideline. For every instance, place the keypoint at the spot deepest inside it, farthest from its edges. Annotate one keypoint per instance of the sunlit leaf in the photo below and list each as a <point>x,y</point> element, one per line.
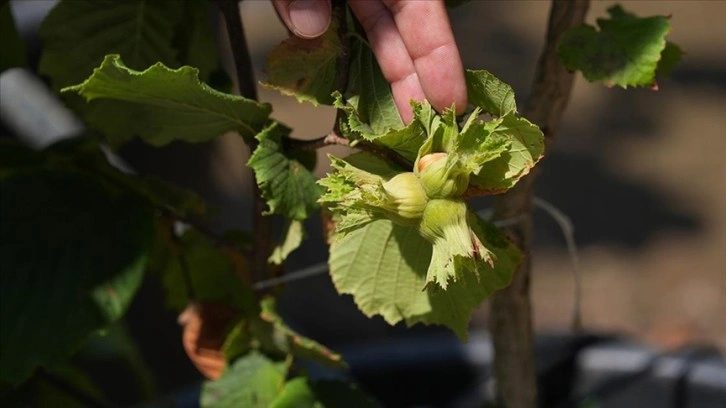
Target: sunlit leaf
<point>624,51</point>
<point>293,237</point>
<point>252,381</point>
<point>161,105</point>
<point>489,93</point>
<point>383,266</point>
<point>526,149</point>
<point>284,176</point>
<point>302,393</point>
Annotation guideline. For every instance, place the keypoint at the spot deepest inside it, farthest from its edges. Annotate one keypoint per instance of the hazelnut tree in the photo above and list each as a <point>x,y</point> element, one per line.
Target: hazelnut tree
<point>78,234</point>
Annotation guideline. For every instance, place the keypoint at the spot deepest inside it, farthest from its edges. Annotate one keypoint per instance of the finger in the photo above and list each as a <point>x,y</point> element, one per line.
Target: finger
<point>305,18</point>
<point>390,51</point>
<point>426,32</point>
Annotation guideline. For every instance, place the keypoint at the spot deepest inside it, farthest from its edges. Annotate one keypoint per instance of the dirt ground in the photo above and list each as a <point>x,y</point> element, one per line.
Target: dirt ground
<point>640,173</point>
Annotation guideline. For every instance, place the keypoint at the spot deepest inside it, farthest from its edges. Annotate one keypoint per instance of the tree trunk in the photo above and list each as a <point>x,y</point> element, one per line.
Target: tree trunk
<point>511,309</point>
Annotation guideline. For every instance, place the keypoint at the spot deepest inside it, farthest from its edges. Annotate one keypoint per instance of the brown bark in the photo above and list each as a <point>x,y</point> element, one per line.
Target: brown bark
<point>511,309</point>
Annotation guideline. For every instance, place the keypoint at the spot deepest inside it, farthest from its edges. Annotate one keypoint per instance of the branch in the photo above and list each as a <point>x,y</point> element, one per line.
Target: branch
<point>511,311</point>
<point>238,44</point>
<point>262,225</point>
<point>335,139</point>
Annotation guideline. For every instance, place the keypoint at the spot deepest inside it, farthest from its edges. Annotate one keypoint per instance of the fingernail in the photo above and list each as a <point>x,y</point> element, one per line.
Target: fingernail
<point>310,18</point>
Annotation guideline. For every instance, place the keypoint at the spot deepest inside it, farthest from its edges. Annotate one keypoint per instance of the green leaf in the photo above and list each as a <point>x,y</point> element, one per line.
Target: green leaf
<point>384,266</point>
<point>77,34</point>
<point>669,58</point>
<point>297,393</point>
<point>406,141</point>
<point>165,105</point>
<point>284,176</point>
<point>294,235</point>
<point>211,273</point>
<point>302,393</point>
<point>12,47</point>
<point>624,52</point>
<point>332,393</point>
<point>306,68</point>
<point>73,256</point>
<point>370,93</point>
<point>252,381</point>
<point>489,93</point>
<point>270,334</point>
<point>526,149</point>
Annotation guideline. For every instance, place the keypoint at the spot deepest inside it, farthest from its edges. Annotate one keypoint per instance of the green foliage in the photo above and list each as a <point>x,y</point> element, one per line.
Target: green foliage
<point>165,105</point>
<point>526,148</point>
<point>284,176</point>
<point>306,68</point>
<point>301,392</point>
<point>369,92</point>
<point>212,276</point>
<point>269,333</point>
<point>669,58</point>
<point>252,381</point>
<point>384,266</point>
<point>625,51</point>
<point>486,157</point>
<point>54,279</point>
<point>294,236</point>
<point>78,34</point>
<point>256,380</point>
<point>12,47</point>
<point>489,93</point>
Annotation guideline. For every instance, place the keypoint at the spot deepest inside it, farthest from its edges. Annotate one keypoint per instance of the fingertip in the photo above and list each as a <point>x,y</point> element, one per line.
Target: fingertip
<point>305,18</point>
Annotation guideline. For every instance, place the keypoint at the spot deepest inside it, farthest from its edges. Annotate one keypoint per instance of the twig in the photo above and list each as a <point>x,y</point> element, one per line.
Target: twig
<point>511,317</point>
<point>334,139</point>
<point>262,229</point>
<point>568,231</point>
<point>331,139</point>
<point>237,41</point>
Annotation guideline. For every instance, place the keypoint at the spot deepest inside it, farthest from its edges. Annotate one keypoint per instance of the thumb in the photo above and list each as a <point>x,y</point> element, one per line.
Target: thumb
<point>305,18</point>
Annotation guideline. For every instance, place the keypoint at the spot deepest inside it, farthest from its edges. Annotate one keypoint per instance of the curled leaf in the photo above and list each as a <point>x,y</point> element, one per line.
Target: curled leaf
<point>205,329</point>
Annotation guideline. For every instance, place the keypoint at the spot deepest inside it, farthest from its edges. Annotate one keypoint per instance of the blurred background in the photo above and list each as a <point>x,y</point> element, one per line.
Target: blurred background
<point>639,173</point>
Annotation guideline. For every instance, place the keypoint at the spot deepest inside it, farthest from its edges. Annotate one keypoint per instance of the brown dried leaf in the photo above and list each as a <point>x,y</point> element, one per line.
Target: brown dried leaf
<point>205,329</point>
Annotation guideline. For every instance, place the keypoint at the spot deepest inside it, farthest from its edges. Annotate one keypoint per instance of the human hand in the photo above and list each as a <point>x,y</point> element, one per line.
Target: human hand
<point>411,39</point>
